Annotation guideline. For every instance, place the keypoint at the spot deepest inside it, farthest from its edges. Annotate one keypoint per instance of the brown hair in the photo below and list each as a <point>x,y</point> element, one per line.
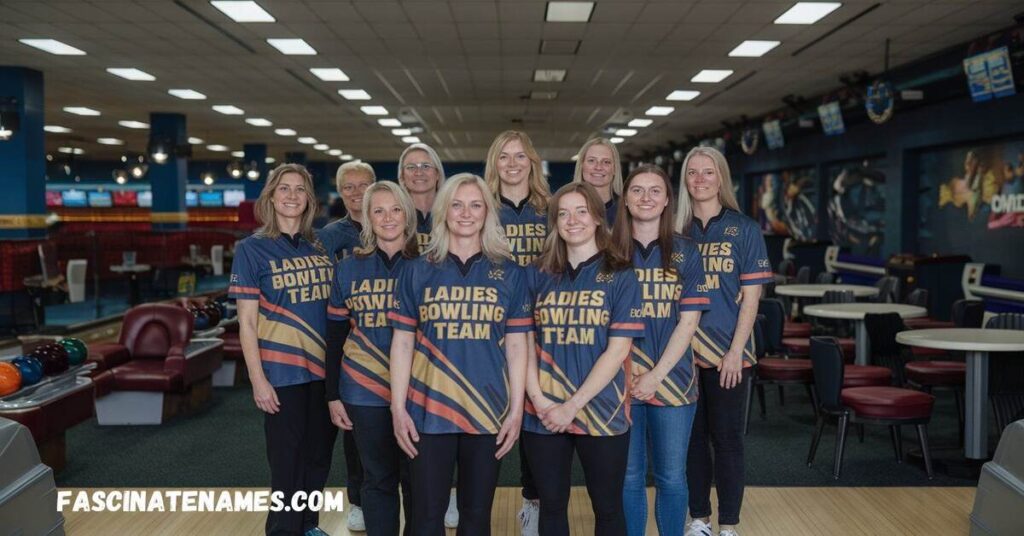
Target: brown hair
<point>555,257</point>
<point>622,232</point>
<point>264,206</point>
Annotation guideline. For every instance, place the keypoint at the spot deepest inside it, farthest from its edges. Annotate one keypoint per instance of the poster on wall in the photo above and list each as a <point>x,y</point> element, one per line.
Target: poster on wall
<point>831,116</point>
<point>773,134</point>
<point>989,75</point>
<point>972,201</point>
<point>785,203</point>
<point>856,206</point>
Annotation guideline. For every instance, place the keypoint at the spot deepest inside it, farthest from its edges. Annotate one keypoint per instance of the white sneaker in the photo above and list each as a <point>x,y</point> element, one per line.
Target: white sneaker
<point>698,528</point>
<point>451,517</point>
<point>355,522</point>
<point>728,532</point>
<point>529,518</point>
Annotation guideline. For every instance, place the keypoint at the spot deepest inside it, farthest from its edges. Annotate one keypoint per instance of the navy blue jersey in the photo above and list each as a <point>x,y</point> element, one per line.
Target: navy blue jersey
<point>734,255</point>
<point>340,237</point>
<point>460,314</point>
<point>292,281</point>
<point>525,227</point>
<point>575,315</point>
<point>611,208</point>
<point>423,225</point>
<point>362,295</point>
<point>665,294</point>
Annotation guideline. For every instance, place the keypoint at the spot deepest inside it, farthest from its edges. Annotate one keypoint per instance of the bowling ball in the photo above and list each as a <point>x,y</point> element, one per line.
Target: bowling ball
<point>201,321</point>
<point>54,358</point>
<point>31,369</point>
<point>10,378</point>
<point>213,312</point>
<point>77,350</point>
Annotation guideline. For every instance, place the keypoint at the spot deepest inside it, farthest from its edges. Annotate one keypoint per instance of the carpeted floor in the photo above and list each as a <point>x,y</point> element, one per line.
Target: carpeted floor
<point>223,446</point>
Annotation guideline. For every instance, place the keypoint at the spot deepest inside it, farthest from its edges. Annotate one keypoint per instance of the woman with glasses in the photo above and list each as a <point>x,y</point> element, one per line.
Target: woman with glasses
<point>420,172</point>
<point>598,165</point>
<point>663,385</point>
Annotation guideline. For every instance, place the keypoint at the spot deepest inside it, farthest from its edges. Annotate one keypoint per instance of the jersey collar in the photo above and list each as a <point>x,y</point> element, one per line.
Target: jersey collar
<point>518,208</point>
<point>465,267</point>
<point>575,272</point>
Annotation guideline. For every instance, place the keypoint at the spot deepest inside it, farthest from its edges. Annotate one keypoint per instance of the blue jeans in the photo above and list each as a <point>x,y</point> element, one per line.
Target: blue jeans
<point>665,431</point>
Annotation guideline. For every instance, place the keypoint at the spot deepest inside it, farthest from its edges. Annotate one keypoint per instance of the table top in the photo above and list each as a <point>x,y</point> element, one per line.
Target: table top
<point>130,268</point>
<point>817,290</point>
<point>966,339</point>
<point>856,311</point>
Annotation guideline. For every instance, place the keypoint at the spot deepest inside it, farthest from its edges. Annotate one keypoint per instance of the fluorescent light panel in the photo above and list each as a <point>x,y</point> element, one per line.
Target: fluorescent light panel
<point>549,75</point>
<point>259,122</point>
<point>187,94</point>
<point>307,140</point>
<point>195,141</point>
<point>807,12</point>
<point>410,139</point>
<point>625,132</point>
<point>133,124</point>
<point>346,157</point>
<point>243,11</point>
<point>389,122</point>
<point>617,140</point>
<point>711,76</point>
<point>640,123</point>
<point>292,47</point>
<point>374,110</point>
<point>56,129</point>
<point>285,132</point>
<point>217,148</point>
<point>753,48</point>
<point>329,74</point>
<point>109,141</point>
<point>53,46</point>
<point>354,94</point>
<point>321,147</point>
<point>402,132</point>
<point>228,109</point>
<point>131,73</point>
<point>238,154</point>
<point>81,110</point>
<point>660,110</point>
<point>334,152</point>
<point>569,11</point>
<point>682,95</point>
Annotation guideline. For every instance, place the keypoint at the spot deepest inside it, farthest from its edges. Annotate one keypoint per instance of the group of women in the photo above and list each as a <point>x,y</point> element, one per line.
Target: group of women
<point>445,320</point>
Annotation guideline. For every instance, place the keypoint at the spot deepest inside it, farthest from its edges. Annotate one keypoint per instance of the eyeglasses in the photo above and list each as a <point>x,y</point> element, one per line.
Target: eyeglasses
<point>349,188</point>
<point>425,166</point>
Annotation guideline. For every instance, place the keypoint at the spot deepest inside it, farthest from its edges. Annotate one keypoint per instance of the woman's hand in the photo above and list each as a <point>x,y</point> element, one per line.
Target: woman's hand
<point>559,417</point>
<point>730,370</point>
<point>265,396</point>
<point>405,431</point>
<point>509,433</point>
<point>338,415</point>
<point>645,385</point>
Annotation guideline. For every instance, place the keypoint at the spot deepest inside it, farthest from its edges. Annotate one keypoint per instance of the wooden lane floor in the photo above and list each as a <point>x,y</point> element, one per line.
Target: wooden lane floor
<point>766,511</point>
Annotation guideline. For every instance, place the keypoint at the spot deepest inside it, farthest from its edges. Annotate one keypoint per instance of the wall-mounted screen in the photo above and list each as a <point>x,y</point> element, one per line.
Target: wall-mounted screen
<point>100,199</point>
<point>145,199</point>
<point>126,198</point>
<point>54,199</point>
<point>73,198</point>
<point>211,199</point>
<point>233,198</point>
<point>191,199</point>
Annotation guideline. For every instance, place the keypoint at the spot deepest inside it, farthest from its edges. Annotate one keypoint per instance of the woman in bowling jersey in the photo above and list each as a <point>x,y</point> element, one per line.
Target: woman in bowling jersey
<point>358,342</point>
<point>586,313</point>
<point>663,385</point>
<point>282,326</point>
<point>598,165</point>
<point>421,173</point>
<point>458,358</point>
<point>736,263</point>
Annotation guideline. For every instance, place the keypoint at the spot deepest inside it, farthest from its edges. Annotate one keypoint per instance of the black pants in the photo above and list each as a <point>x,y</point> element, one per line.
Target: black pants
<point>604,468</point>
<point>718,424</point>
<point>300,439</point>
<point>353,467</point>
<point>384,466</point>
<point>526,476</point>
<point>430,473</point>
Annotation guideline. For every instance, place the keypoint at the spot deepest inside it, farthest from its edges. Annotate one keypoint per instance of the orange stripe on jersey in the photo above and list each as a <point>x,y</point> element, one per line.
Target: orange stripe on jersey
<point>695,301</point>
<point>338,311</point>
<point>518,322</point>
<point>264,303</point>
<point>243,290</point>
<point>275,356</point>
<point>439,409</point>
<point>403,319</point>
<point>367,382</point>
<point>755,275</point>
<point>467,386</point>
<point>626,325</point>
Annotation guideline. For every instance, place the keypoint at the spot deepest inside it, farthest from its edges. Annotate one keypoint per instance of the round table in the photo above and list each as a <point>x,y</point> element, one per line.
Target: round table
<point>856,312</point>
<point>818,290</point>
<point>133,270</point>
<point>977,343</point>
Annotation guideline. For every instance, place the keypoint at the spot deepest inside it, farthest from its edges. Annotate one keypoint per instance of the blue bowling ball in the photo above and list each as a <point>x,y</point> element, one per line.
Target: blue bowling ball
<point>201,321</point>
<point>31,369</point>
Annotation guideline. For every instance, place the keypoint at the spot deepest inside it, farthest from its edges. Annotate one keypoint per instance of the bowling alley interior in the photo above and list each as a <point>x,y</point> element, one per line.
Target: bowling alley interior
<point>878,145</point>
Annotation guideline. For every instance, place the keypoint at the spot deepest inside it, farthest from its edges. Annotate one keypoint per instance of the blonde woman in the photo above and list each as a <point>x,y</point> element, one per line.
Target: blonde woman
<point>421,173</point>
<point>515,175</point>
<point>598,164</point>
<point>281,279</point>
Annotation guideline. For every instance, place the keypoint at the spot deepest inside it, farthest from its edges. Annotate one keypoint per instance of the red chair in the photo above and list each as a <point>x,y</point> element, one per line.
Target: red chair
<point>886,406</point>
<point>801,346</point>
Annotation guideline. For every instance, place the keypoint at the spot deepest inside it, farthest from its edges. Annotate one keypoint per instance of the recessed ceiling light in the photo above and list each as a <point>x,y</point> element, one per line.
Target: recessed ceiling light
<point>238,154</point>
<point>109,141</point>
<point>354,94</point>
<point>131,74</point>
<point>711,76</point>
<point>292,47</point>
<point>284,132</point>
<point>807,12</point>
<point>307,140</point>
<point>53,46</point>
<point>410,139</point>
<point>660,110</point>
<point>625,132</point>
<point>543,95</point>
<point>217,148</point>
<point>346,157</point>
<point>569,11</point>
<point>81,110</point>
<point>243,11</point>
<point>334,152</point>
<point>402,132</point>
<point>195,141</point>
<point>374,110</point>
<point>549,75</point>
<point>329,74</point>
<point>258,122</point>
<point>321,147</point>
<point>640,123</point>
<point>753,48</point>
<point>71,150</point>
<point>133,124</point>
<point>389,122</point>
<point>617,140</point>
<point>187,94</point>
<point>56,129</point>
<point>228,109</point>
<point>682,95</point>
<point>269,160</point>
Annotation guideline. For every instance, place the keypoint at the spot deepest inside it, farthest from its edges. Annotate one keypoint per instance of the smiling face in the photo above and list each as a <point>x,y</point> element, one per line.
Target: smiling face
<point>513,164</point>
<point>353,185</point>
<point>387,217</point>
<point>467,212</point>
<point>419,173</point>
<point>577,225</point>
<point>646,197</point>
<point>599,167</point>
<point>702,180</point>
<point>290,197</point>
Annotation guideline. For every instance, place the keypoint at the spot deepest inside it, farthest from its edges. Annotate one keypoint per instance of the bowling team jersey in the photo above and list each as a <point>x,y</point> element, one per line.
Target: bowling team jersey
<point>734,255</point>
<point>575,314</point>
<point>362,295</point>
<point>292,281</point>
<point>663,297</point>
<point>460,314</point>
<point>340,237</point>
<point>525,227</point>
<point>423,225</point>
<point>610,209</point>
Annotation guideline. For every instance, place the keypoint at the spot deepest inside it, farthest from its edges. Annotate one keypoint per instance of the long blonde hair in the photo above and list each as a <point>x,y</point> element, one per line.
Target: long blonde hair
<point>431,153</point>
<point>726,196</point>
<point>577,175</point>
<point>493,243</point>
<point>538,183</point>
<point>264,211</point>
<point>368,237</point>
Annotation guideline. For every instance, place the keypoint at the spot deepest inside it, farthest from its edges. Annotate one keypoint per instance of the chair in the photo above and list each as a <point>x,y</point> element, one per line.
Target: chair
<point>825,278</point>
<point>76,280</point>
<point>886,406</point>
<point>888,289</point>
<point>968,313</point>
<point>217,259</point>
<point>773,370</point>
<point>803,275</point>
<point>1006,375</point>
<point>801,345</point>
<point>918,297</point>
<point>786,268</point>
